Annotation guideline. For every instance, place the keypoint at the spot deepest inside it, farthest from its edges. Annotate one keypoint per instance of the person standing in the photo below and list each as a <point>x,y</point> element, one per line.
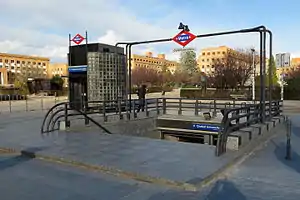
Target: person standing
<point>142,97</point>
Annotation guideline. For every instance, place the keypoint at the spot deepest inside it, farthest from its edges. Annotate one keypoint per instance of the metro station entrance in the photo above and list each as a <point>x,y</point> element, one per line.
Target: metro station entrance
<point>78,90</point>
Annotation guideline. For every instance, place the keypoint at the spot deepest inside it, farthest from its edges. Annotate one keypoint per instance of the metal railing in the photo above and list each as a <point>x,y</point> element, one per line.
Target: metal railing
<point>106,109</point>
<point>237,118</point>
<point>25,103</point>
<point>236,114</point>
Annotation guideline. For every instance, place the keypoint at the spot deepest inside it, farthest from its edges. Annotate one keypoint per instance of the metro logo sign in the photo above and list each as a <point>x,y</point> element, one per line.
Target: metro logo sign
<point>183,38</point>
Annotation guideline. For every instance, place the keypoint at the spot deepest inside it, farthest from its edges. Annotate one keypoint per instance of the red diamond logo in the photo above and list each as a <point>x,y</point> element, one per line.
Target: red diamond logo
<point>77,39</point>
<point>183,38</point>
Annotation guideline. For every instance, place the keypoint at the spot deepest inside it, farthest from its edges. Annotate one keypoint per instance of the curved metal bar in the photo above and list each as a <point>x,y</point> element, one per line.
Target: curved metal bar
<point>52,116</point>
<point>48,113</point>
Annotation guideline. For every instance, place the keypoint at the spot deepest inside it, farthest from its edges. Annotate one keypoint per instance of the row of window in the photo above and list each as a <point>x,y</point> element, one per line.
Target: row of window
<point>23,62</point>
<point>212,53</point>
<point>213,59</point>
<point>153,62</point>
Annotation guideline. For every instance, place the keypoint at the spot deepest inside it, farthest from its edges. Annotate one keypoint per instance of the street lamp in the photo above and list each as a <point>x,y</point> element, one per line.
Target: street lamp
<point>183,27</point>
<point>282,83</point>
<point>253,74</point>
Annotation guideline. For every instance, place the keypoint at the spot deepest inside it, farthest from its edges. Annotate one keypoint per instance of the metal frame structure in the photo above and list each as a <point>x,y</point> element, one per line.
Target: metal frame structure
<point>262,30</point>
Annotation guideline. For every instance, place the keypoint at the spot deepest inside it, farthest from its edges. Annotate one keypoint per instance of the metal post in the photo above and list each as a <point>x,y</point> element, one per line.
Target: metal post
<point>104,111</point>
<point>157,106</point>
<point>215,109</point>
<point>180,107</point>
<point>120,109</point>
<point>288,140</point>
<point>42,103</point>
<point>9,103</point>
<point>264,75</point>
<point>67,124</point>
<point>146,108</point>
<point>26,103</point>
<point>164,106</point>
<point>196,107</point>
<point>270,70</point>
<point>253,74</point>
<point>129,76</point>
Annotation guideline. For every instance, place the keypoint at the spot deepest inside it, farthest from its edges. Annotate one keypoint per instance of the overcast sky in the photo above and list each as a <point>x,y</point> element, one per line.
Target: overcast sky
<point>41,27</point>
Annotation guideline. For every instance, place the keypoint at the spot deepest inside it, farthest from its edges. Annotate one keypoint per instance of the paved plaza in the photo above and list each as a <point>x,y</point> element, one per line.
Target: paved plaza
<point>126,167</point>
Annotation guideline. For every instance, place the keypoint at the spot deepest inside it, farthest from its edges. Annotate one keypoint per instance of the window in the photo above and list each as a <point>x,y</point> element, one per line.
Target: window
<point>0,60</point>
<point>213,53</point>
<point>44,64</point>
<point>208,53</point>
<point>203,54</point>
<point>203,60</point>
<point>223,52</point>
<point>12,61</point>
<point>23,62</point>
<point>207,60</point>
<point>218,52</point>
<point>202,66</point>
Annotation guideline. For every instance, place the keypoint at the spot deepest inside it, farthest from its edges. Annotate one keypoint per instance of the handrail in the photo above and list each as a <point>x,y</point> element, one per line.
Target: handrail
<point>227,127</point>
<point>47,114</point>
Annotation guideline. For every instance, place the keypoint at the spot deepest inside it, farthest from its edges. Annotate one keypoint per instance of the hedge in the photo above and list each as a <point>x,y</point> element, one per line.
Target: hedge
<point>153,89</point>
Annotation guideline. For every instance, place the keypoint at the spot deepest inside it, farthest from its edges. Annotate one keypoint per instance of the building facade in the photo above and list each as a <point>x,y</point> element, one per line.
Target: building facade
<point>13,66</point>
<point>150,61</point>
<point>96,72</point>
<point>284,71</point>
<point>208,56</point>
<point>60,69</point>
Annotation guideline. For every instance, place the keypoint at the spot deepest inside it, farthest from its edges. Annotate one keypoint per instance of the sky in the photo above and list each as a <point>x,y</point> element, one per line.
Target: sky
<point>41,27</point>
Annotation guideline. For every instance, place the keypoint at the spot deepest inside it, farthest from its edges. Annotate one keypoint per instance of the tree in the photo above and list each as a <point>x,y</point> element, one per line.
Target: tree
<point>233,71</point>
<point>292,89</point>
<point>21,85</point>
<point>166,75</point>
<point>143,75</point>
<point>57,82</point>
<point>274,78</point>
<point>188,62</point>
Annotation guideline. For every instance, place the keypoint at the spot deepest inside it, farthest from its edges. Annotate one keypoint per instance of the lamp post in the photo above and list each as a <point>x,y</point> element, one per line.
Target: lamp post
<point>253,74</point>
<point>282,83</point>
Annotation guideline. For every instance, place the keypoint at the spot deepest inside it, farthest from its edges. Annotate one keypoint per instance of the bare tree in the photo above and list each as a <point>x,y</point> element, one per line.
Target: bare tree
<point>233,70</point>
<point>143,75</point>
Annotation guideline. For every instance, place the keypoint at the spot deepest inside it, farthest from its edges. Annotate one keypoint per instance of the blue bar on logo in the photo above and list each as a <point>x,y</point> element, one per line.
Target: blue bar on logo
<point>74,69</point>
<point>183,37</point>
<point>206,127</point>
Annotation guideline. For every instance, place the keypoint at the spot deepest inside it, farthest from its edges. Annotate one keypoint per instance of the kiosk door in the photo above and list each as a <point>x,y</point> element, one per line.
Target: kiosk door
<point>78,90</point>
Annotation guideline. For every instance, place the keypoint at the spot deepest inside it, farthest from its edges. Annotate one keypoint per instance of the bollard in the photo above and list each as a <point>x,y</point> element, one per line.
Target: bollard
<point>180,107</point>
<point>9,103</point>
<point>26,103</point>
<point>196,107</point>
<point>146,108</point>
<point>164,106</point>
<point>104,111</point>
<point>134,109</point>
<point>55,98</point>
<point>215,109</point>
<point>120,109</point>
<point>42,102</point>
<point>288,140</point>
<point>157,106</point>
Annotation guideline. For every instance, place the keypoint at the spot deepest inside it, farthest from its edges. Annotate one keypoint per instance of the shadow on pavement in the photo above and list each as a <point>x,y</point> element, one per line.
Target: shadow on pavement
<point>280,153</point>
<point>13,161</point>
<point>222,189</point>
<point>296,131</point>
